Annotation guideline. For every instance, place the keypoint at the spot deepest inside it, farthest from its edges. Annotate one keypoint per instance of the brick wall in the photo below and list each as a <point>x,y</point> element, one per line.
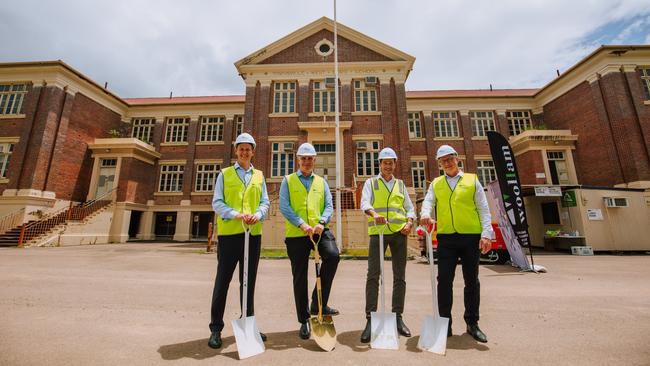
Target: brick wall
<point>137,181</point>
<point>528,164</point>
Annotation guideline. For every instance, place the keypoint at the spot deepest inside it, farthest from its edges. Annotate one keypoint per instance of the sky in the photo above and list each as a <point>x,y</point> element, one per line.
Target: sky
<point>151,48</point>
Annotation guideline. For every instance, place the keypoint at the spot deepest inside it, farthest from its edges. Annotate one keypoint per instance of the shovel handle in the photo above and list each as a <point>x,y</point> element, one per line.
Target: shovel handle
<point>319,291</point>
<point>432,266</point>
<point>244,295</point>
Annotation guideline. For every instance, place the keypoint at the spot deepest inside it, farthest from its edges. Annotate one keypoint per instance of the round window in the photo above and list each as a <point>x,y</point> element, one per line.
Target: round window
<point>324,47</point>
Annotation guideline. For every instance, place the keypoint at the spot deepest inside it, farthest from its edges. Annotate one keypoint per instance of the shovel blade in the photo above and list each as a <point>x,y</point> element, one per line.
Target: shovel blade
<point>247,336</point>
<point>433,337</point>
<point>323,332</point>
<point>383,331</point>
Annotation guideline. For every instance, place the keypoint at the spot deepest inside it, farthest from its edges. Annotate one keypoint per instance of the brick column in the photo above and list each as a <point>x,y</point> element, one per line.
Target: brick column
<point>637,96</point>
<point>466,132</point>
<point>345,97</point>
<point>386,115</point>
<point>501,122</point>
<point>429,134</point>
<point>261,127</point>
<point>302,99</point>
<point>58,155</point>
<point>228,139</point>
<point>403,148</point>
<point>188,173</point>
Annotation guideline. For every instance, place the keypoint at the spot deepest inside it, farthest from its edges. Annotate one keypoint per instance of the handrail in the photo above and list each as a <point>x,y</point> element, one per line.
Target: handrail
<point>11,220</point>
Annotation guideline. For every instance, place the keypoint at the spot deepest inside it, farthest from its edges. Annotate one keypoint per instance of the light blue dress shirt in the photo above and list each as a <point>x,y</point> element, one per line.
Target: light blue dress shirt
<point>226,212</point>
<point>285,201</point>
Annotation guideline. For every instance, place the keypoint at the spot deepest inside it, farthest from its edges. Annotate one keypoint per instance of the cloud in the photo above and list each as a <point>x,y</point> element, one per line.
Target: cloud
<point>149,48</point>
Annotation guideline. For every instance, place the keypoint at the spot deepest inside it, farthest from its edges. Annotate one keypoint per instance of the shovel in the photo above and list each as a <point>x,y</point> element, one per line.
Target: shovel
<point>247,335</point>
<point>322,326</point>
<point>383,325</point>
<point>433,337</point>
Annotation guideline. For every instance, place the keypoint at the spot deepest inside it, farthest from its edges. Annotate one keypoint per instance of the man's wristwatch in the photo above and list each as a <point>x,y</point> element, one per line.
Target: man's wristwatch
<point>322,222</point>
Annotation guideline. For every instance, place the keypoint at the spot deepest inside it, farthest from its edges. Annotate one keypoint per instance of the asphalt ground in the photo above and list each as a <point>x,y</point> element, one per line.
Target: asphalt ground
<point>149,304</point>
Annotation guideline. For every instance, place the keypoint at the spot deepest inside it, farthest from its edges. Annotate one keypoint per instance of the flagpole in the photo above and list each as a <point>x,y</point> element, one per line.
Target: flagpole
<point>339,231</point>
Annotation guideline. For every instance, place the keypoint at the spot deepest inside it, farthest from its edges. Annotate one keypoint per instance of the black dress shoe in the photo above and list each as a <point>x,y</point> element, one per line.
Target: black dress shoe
<point>263,336</point>
<point>215,340</point>
<point>476,333</point>
<point>365,335</point>
<point>305,330</point>
<point>402,329</point>
<point>326,311</point>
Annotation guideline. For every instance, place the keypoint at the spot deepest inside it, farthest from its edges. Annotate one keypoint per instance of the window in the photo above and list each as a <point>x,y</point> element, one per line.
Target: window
<point>12,97</point>
<point>239,125</point>
<point>550,213</point>
<point>482,122</point>
<point>485,171</point>
<point>445,124</point>
<point>206,175</point>
<point>108,163</point>
<point>558,167</point>
<point>518,122</point>
<point>142,128</point>
<point>645,80</point>
<point>5,157</point>
<point>324,96</point>
<point>284,97</point>
<point>365,97</point>
<point>415,128</point>
<point>418,174</point>
<point>282,159</point>
<point>461,166</point>
<point>325,148</point>
<point>367,158</point>
<point>171,178</point>
<point>212,128</point>
<point>177,129</point>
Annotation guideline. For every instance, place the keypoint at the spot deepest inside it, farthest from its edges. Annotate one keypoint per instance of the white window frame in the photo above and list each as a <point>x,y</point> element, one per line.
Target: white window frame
<point>212,128</point>
<point>143,128</point>
<point>365,97</point>
<point>482,122</point>
<point>284,97</point>
<point>415,125</point>
<point>321,93</point>
<point>645,80</point>
<point>419,174</point>
<point>12,98</point>
<point>171,178</point>
<point>368,160</point>
<point>518,122</point>
<point>206,176</point>
<point>239,125</point>
<point>176,130</point>
<point>445,124</point>
<point>282,162</point>
<point>485,170</point>
<point>6,149</point>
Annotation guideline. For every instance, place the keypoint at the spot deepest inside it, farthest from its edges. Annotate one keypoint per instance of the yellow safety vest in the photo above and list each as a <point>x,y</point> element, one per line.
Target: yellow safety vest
<point>388,204</point>
<point>456,210</point>
<point>241,198</point>
<point>308,205</point>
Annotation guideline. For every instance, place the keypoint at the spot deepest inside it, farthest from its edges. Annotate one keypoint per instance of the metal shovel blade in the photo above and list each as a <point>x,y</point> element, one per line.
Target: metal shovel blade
<point>323,332</point>
<point>247,336</point>
<point>433,337</point>
<point>383,331</point>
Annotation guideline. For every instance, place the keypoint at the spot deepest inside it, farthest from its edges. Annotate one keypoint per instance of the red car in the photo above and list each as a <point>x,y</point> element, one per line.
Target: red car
<point>498,253</point>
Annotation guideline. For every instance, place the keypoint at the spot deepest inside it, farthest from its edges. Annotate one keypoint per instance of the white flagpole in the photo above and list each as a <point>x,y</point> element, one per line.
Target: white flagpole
<point>339,231</point>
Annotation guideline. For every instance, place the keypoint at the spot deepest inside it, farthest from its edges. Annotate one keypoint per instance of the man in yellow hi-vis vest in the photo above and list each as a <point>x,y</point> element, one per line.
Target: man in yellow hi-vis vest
<point>464,231</point>
<point>239,196</point>
<point>385,200</point>
<point>306,204</point>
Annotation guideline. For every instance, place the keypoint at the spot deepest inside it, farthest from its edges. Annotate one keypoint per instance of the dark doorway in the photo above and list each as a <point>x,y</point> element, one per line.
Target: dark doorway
<point>165,225</point>
<point>134,224</point>
<point>200,223</point>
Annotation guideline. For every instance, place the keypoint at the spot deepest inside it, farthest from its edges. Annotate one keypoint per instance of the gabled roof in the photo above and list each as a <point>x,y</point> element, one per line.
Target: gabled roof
<point>316,26</point>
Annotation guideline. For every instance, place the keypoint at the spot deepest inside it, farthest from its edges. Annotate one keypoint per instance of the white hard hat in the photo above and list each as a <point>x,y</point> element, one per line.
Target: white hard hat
<point>245,138</point>
<point>445,150</point>
<point>306,149</point>
<point>387,153</point>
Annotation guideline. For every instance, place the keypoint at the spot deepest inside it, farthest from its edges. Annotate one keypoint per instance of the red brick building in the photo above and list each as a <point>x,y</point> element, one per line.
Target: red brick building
<point>65,138</point>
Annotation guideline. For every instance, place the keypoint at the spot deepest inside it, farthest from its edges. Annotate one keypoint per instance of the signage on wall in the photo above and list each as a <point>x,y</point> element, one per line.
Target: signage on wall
<point>595,214</point>
<point>569,199</point>
<point>168,218</point>
<point>548,191</point>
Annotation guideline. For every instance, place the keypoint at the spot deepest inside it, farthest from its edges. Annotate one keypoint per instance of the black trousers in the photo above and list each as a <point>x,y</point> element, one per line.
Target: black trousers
<point>298,250</point>
<point>450,248</point>
<point>230,252</point>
